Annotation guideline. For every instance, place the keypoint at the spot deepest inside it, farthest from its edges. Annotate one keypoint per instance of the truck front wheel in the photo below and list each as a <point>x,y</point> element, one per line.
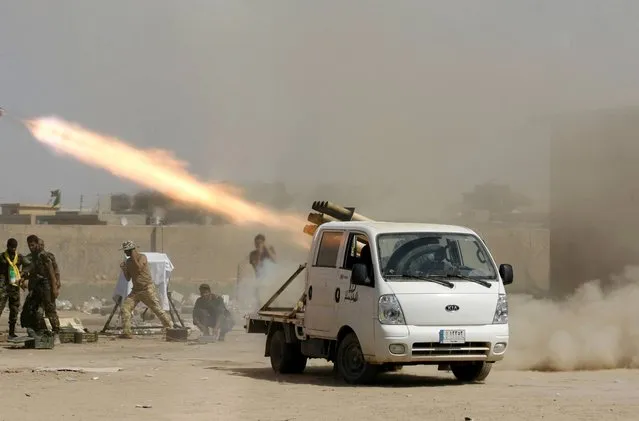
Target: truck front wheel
<point>286,358</point>
<point>475,371</point>
<point>351,364</point>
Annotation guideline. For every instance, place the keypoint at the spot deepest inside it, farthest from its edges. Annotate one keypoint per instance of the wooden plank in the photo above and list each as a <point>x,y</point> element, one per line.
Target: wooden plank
<point>269,313</point>
<point>283,287</point>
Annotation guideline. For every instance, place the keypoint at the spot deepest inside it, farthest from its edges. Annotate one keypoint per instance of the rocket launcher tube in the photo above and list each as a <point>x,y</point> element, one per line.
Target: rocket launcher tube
<point>329,212</point>
<point>319,219</point>
<point>338,212</point>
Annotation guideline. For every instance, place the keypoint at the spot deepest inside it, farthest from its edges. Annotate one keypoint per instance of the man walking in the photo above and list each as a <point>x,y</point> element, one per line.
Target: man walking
<point>136,269</point>
<point>11,266</point>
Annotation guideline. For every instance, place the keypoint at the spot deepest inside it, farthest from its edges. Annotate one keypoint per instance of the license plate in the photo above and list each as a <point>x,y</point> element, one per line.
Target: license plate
<point>452,336</point>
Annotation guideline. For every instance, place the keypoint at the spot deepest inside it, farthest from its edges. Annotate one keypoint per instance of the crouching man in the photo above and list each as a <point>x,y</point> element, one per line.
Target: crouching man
<point>136,268</point>
<point>210,313</point>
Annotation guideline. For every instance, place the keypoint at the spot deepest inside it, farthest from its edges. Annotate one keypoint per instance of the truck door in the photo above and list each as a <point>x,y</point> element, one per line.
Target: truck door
<point>356,305</point>
<point>319,300</point>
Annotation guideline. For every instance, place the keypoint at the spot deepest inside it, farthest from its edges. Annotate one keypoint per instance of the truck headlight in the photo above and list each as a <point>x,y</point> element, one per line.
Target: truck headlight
<point>390,312</point>
<point>501,311</point>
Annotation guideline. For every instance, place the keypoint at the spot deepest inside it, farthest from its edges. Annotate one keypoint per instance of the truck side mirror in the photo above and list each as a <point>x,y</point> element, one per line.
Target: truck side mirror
<point>359,275</point>
<point>506,273</point>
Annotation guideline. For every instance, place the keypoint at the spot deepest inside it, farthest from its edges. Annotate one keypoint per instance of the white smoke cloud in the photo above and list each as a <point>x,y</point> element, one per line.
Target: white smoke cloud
<point>252,293</point>
<point>591,330</point>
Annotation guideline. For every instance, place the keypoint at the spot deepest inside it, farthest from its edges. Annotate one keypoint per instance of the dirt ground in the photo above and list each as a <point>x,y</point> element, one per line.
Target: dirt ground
<point>233,381</point>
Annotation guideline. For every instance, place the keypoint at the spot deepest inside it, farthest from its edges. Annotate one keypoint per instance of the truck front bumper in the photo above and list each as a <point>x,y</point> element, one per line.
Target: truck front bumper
<point>421,344</point>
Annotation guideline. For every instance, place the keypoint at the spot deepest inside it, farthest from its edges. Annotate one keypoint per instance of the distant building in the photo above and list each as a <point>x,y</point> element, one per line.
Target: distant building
<point>14,209</point>
<point>23,214</point>
<point>102,214</point>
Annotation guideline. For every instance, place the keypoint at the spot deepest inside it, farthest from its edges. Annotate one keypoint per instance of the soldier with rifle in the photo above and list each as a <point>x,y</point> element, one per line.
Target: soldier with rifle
<point>56,269</point>
<point>43,291</point>
<point>12,264</point>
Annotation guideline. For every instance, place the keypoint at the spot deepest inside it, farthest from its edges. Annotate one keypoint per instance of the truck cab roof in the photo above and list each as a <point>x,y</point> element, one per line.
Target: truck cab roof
<point>378,227</point>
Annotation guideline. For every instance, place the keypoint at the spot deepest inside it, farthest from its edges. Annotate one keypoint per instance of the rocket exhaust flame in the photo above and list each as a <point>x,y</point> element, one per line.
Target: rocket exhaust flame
<point>160,171</point>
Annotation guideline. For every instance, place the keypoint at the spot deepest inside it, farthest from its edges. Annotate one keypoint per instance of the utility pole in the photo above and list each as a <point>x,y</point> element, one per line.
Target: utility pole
<point>162,233</point>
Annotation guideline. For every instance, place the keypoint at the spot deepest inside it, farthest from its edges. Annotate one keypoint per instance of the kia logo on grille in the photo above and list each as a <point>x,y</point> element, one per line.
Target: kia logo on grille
<point>452,307</point>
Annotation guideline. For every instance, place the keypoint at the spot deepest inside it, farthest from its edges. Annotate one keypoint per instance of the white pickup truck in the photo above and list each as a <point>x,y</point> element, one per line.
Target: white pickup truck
<point>381,295</point>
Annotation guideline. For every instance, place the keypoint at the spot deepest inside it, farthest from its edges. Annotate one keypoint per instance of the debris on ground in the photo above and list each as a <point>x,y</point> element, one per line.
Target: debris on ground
<point>177,298</point>
<point>106,309</point>
<point>93,305</point>
<point>77,369</point>
<point>64,305</point>
<point>190,301</point>
<point>207,339</point>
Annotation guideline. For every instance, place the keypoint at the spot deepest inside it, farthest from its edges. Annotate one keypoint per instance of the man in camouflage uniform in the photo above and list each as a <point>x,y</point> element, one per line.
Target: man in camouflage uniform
<point>12,264</point>
<point>136,269</point>
<point>43,291</point>
<point>56,269</point>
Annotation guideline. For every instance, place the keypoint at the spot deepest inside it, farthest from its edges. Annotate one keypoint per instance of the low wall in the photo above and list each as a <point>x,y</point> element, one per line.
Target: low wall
<point>527,249</point>
<point>212,253</point>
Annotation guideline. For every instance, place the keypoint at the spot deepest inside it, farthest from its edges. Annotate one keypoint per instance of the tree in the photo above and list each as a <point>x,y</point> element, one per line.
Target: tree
<point>120,202</point>
<point>146,201</point>
<point>495,198</point>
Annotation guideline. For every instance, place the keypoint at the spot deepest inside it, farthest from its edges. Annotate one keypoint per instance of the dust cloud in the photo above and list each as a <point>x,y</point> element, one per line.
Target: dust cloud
<point>252,293</point>
<point>593,329</point>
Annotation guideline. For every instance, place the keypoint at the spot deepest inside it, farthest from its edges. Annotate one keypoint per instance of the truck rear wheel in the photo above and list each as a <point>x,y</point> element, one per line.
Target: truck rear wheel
<point>286,358</point>
<point>475,371</point>
<point>351,364</point>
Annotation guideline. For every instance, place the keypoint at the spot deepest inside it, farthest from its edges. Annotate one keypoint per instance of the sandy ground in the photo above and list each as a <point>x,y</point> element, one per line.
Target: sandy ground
<point>233,381</point>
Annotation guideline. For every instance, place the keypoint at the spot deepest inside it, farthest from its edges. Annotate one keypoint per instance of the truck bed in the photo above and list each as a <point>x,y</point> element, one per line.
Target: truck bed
<point>259,321</point>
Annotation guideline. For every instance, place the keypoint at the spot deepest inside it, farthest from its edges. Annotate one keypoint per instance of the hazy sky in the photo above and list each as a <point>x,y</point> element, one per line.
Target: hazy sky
<point>427,94</point>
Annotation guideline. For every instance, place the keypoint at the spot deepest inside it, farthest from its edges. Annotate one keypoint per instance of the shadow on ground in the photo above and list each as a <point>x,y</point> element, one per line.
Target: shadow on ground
<point>325,376</point>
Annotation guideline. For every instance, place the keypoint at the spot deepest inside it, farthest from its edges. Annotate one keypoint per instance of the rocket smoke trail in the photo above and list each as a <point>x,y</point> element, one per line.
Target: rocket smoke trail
<point>158,170</point>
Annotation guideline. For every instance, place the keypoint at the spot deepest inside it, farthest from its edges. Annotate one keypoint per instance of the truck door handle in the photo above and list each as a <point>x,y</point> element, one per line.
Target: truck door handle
<point>343,277</point>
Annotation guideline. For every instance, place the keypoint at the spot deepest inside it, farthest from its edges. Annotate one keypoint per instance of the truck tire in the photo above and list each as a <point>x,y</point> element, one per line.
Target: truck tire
<point>286,358</point>
<point>475,371</point>
<point>351,364</point>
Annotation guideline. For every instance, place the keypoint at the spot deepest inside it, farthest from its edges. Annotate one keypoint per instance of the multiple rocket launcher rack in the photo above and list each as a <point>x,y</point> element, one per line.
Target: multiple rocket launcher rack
<point>330,212</point>
<point>326,212</point>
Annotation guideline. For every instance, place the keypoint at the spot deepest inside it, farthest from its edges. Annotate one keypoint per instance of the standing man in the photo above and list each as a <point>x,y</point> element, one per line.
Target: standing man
<point>136,269</point>
<point>209,312</point>
<point>261,254</point>
<point>260,258</point>
<point>56,269</point>
<point>11,266</point>
<point>43,291</point>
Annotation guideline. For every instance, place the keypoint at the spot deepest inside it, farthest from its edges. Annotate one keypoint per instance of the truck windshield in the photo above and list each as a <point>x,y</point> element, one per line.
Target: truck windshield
<point>434,254</point>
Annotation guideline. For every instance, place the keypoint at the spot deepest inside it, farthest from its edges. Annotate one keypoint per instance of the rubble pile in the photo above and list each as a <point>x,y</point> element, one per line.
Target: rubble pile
<point>141,316</point>
<point>64,305</point>
<point>93,305</point>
